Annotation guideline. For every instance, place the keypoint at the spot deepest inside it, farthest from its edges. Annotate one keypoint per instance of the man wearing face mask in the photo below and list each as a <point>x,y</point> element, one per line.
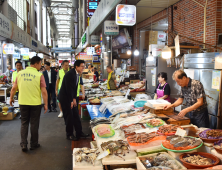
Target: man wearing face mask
<point>193,93</point>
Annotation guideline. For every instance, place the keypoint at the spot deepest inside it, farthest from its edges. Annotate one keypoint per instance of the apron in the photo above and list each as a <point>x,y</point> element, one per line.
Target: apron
<point>200,119</point>
<point>160,93</point>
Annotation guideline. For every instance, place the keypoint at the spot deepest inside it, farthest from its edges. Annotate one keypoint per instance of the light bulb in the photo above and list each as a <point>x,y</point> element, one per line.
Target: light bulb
<point>129,52</point>
<point>166,52</point>
<point>136,52</point>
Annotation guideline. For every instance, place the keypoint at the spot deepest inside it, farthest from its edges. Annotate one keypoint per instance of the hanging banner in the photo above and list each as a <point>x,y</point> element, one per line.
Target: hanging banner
<point>95,39</point>
<point>110,28</point>
<point>24,51</point>
<point>16,56</point>
<point>8,48</point>
<point>84,56</point>
<point>32,54</point>
<point>126,15</point>
<point>25,57</point>
<point>177,45</point>
<point>90,50</point>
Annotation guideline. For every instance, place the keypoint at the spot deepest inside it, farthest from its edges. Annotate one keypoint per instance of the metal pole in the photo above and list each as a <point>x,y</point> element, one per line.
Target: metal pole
<point>111,51</point>
<point>47,43</point>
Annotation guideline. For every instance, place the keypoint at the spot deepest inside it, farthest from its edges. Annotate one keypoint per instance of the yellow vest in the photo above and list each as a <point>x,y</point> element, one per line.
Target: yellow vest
<point>109,77</point>
<point>28,81</point>
<point>14,75</point>
<point>78,89</point>
<point>61,76</point>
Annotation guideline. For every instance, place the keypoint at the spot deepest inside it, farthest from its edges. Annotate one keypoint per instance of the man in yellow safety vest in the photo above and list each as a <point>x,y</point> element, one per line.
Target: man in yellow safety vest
<point>60,76</point>
<point>31,84</point>
<point>18,66</point>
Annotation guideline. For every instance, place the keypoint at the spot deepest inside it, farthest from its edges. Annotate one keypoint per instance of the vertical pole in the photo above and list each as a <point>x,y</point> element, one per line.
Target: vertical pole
<point>111,48</point>
<point>205,23</point>
<point>40,21</point>
<point>80,21</point>
<point>84,15</point>
<point>47,43</point>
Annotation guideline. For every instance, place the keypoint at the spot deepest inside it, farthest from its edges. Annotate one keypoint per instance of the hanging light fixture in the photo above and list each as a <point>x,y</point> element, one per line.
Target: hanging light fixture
<point>129,52</point>
<point>166,52</point>
<point>150,57</point>
<point>136,52</point>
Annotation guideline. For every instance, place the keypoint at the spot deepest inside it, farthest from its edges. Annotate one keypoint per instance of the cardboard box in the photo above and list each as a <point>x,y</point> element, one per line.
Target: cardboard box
<point>131,68</point>
<point>134,81</point>
<point>9,116</point>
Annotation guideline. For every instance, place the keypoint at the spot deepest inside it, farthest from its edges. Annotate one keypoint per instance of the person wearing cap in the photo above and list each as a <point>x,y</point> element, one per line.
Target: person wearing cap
<point>30,83</point>
<point>62,72</point>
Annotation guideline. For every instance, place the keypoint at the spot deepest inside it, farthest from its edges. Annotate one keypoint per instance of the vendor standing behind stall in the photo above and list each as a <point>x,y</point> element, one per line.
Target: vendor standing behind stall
<point>111,84</point>
<point>162,90</point>
<point>193,92</point>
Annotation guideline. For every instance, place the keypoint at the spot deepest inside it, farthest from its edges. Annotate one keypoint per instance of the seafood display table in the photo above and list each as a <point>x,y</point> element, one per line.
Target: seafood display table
<point>85,165</point>
<point>130,158</point>
<point>95,113</point>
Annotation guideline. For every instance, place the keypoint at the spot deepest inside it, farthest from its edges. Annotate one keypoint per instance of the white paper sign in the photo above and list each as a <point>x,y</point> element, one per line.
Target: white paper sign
<point>24,51</point>
<point>216,79</point>
<point>181,132</point>
<point>177,45</point>
<point>127,93</point>
<point>8,48</point>
<point>111,28</point>
<point>154,80</point>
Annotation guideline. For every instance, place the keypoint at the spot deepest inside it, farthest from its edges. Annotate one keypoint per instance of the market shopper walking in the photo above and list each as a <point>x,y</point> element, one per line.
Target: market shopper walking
<point>31,84</point>
<point>50,79</point>
<point>68,99</point>
<point>193,93</point>
<point>112,83</point>
<point>60,76</point>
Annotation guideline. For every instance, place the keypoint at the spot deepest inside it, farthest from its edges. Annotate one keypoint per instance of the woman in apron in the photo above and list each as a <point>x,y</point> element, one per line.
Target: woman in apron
<point>162,90</point>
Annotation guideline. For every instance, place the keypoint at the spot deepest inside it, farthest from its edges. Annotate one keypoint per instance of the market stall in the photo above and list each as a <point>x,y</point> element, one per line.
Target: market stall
<point>140,134</point>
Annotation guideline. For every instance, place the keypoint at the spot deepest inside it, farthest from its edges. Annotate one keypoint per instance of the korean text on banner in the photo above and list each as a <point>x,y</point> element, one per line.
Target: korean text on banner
<point>111,28</point>
<point>126,15</point>
<point>8,48</point>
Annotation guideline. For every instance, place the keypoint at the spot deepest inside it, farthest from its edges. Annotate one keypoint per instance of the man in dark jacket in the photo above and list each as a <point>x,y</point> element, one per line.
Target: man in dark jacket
<point>67,97</point>
<point>50,79</point>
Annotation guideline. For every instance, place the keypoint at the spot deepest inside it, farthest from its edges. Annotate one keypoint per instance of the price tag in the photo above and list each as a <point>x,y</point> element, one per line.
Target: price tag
<point>181,132</point>
<point>103,155</point>
<point>127,93</point>
<point>102,107</point>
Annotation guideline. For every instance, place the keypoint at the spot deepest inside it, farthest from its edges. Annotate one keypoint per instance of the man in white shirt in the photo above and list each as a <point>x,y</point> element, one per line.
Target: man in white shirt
<point>50,79</point>
<point>7,73</point>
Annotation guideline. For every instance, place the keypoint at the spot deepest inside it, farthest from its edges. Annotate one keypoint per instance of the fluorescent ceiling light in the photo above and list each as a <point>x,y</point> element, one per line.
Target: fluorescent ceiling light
<point>63,9</point>
<point>64,29</point>
<point>63,33</point>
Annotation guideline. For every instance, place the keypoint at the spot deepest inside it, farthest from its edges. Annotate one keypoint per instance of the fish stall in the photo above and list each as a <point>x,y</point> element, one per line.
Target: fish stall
<point>139,134</point>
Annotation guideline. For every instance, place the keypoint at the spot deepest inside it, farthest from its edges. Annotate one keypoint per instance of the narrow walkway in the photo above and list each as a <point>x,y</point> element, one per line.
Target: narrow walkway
<point>54,154</point>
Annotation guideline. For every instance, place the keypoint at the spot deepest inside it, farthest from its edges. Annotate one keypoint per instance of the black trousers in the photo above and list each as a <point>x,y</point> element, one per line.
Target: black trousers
<point>30,114</point>
<point>72,119</point>
<point>51,95</point>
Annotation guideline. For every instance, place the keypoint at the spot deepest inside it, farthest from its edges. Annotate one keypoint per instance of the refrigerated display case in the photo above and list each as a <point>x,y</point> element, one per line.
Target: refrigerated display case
<point>200,66</point>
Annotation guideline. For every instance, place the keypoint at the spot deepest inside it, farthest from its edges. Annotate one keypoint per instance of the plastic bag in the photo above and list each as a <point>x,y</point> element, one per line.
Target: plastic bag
<point>142,97</point>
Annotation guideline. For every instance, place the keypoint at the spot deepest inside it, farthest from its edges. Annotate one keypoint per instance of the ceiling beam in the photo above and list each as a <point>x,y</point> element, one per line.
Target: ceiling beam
<point>61,2</point>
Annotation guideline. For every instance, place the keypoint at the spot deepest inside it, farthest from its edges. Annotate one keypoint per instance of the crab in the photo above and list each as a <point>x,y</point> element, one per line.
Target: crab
<point>116,148</point>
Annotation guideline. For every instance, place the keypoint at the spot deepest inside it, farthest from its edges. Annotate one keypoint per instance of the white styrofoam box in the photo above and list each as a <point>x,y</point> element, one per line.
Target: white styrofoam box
<point>140,165</point>
<point>176,155</point>
<point>157,104</point>
<point>206,147</point>
<point>144,150</point>
<point>93,145</point>
<point>85,165</point>
<point>215,153</point>
<point>129,158</point>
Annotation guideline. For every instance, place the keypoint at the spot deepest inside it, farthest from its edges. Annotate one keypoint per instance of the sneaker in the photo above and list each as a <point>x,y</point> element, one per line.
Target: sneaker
<point>60,115</point>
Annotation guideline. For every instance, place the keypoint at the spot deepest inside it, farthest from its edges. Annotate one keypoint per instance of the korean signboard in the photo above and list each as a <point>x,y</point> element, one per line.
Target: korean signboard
<point>110,28</point>
<point>8,48</point>
<point>126,15</point>
<point>84,56</point>
<point>95,39</point>
<point>24,51</point>
<point>90,50</point>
